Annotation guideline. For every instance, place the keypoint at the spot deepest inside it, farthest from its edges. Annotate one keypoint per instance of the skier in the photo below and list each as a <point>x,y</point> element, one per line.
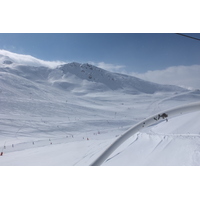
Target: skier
<point>1,153</point>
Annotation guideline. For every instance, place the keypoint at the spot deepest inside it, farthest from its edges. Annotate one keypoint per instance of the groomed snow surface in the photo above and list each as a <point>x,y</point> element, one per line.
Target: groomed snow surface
<point>70,114</point>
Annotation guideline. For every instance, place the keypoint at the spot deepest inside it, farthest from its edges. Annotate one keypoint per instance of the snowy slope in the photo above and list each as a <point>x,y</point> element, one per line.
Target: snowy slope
<point>67,114</point>
<point>174,143</point>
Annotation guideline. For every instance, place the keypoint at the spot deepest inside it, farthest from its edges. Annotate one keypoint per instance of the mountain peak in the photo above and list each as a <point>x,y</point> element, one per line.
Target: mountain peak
<point>113,81</point>
<point>75,76</point>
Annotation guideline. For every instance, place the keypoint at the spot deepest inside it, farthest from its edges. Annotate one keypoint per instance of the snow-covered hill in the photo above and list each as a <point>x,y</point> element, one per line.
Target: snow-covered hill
<point>80,79</point>
<point>100,80</point>
<point>67,114</point>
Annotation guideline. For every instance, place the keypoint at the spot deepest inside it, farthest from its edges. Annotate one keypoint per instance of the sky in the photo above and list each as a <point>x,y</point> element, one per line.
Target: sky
<point>165,58</point>
<point>135,52</point>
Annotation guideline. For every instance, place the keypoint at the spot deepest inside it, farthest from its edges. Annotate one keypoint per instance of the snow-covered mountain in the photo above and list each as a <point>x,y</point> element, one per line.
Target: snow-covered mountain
<point>105,80</point>
<point>76,77</point>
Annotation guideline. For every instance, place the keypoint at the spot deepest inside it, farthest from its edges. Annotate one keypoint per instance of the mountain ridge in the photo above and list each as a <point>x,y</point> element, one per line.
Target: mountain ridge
<point>115,81</point>
<point>80,78</point>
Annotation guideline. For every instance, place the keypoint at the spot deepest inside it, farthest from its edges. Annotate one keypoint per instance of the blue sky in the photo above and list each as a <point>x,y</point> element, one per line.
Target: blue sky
<point>134,51</point>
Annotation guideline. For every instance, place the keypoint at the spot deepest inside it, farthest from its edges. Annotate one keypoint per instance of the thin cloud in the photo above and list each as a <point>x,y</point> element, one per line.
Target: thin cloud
<point>29,60</point>
<point>109,67</point>
<point>184,76</point>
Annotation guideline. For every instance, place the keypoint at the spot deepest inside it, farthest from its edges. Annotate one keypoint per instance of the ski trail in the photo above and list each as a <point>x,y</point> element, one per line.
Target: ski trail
<point>156,147</point>
<point>137,137</point>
